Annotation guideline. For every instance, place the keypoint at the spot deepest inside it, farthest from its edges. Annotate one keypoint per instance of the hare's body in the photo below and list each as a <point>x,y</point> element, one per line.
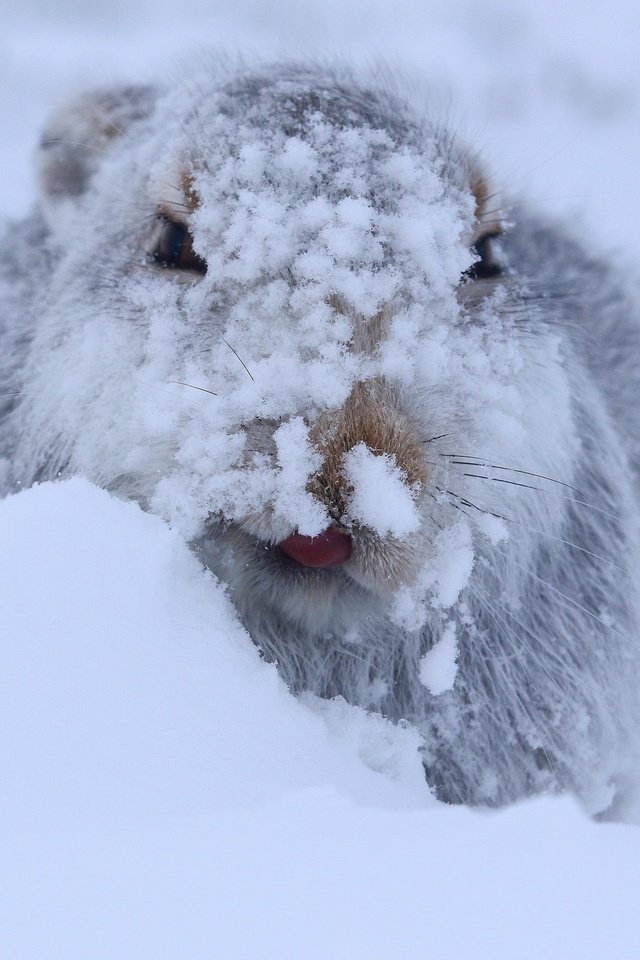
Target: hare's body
<point>266,307</point>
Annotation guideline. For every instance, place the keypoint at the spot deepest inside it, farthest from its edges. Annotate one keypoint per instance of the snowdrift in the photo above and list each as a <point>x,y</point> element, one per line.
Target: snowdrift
<point>164,796</point>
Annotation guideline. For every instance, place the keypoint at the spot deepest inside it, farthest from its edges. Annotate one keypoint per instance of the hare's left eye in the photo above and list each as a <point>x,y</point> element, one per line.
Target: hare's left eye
<point>174,247</point>
<point>488,265</point>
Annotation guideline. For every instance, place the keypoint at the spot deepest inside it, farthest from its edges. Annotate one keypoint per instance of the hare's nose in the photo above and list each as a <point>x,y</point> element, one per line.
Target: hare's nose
<point>328,549</point>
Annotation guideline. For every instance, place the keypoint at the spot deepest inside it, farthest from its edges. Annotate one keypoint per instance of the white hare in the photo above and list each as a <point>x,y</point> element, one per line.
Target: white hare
<point>279,307</point>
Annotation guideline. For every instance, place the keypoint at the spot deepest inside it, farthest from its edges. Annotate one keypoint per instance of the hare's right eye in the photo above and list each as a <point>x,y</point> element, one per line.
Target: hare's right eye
<point>487,265</point>
<point>174,247</point>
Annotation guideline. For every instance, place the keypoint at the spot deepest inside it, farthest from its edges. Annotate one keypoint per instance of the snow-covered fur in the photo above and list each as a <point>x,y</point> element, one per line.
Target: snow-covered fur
<point>269,303</point>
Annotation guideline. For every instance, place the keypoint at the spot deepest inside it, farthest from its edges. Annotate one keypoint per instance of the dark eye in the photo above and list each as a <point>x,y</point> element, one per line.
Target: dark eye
<point>487,266</point>
<point>174,247</point>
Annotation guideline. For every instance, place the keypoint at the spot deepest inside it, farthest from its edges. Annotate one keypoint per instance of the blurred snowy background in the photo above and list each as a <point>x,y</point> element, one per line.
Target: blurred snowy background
<point>550,93</point>
<point>161,794</point>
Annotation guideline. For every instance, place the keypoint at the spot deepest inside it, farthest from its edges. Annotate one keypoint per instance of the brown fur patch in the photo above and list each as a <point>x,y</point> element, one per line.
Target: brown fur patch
<point>191,195</point>
<point>189,200</point>
<point>369,416</point>
<point>489,215</point>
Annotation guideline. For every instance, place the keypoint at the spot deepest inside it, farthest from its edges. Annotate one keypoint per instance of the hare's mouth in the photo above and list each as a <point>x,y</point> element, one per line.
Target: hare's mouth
<point>338,559</point>
<point>329,549</point>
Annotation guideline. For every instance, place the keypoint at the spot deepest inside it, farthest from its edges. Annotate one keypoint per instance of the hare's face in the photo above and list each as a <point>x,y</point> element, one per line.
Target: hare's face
<point>318,262</point>
<point>281,319</point>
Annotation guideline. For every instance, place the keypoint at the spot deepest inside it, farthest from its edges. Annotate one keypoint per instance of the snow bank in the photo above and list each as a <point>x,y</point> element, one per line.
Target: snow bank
<point>130,689</point>
<point>163,796</point>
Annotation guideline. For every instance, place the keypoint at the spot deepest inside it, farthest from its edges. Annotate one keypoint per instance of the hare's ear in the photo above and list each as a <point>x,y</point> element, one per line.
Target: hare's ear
<point>80,134</point>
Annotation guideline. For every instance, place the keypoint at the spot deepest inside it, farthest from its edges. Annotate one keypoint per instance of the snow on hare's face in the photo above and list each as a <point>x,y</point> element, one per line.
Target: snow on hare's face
<point>277,321</point>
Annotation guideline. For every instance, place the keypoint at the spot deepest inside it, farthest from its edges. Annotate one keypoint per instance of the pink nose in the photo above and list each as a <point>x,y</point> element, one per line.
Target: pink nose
<point>328,549</point>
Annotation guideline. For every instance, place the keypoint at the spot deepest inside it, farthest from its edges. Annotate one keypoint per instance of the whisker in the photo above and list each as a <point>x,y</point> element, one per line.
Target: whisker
<point>173,203</point>
<point>528,486</point>
<point>471,461</point>
<point>489,606</point>
<point>548,650</point>
<point>235,352</point>
<point>193,386</point>
<point>583,503</point>
<point>65,141</point>
<point>570,543</point>
<point>514,483</point>
<point>571,600</point>
<point>469,503</point>
<point>506,678</point>
<point>541,533</point>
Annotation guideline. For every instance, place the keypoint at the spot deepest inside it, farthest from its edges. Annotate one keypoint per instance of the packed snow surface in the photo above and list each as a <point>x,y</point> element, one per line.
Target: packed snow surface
<point>164,796</point>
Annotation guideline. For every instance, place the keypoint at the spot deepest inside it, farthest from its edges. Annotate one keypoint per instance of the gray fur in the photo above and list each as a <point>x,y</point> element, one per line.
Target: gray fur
<point>546,695</point>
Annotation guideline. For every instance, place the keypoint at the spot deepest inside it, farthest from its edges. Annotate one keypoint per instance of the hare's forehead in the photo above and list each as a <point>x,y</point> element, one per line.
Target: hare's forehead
<point>300,152</point>
<point>360,170</point>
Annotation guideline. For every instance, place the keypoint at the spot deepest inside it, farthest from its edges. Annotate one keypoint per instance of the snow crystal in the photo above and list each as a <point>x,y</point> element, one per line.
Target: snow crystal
<point>298,460</point>
<point>494,528</point>
<point>409,608</point>
<point>438,667</point>
<point>455,557</point>
<point>380,498</point>
<point>440,581</point>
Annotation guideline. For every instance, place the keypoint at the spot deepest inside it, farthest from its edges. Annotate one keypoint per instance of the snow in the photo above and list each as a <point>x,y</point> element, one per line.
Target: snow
<point>162,794</point>
<point>298,460</point>
<point>380,498</point>
<point>281,349</point>
<point>438,667</point>
<point>131,689</point>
